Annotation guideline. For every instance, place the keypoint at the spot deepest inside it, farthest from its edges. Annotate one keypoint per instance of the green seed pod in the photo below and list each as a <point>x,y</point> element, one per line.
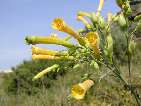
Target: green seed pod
<point>122,22</point>
<point>109,47</point>
<point>131,47</point>
<point>110,44</point>
<point>105,52</point>
<point>115,18</point>
<point>102,23</point>
<point>94,18</point>
<point>76,66</point>
<point>95,65</point>
<point>137,18</point>
<point>120,3</point>
<point>85,76</point>
<point>128,11</point>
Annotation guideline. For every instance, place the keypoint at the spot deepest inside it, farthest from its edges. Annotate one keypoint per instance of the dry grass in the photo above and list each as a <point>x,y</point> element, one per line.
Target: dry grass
<point>107,93</point>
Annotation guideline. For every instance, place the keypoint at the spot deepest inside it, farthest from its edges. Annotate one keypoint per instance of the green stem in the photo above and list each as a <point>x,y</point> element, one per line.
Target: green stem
<point>129,59</point>
<point>117,72</point>
<point>136,97</point>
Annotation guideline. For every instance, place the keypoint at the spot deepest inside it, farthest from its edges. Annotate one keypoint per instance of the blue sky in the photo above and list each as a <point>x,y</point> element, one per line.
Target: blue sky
<point>19,18</point>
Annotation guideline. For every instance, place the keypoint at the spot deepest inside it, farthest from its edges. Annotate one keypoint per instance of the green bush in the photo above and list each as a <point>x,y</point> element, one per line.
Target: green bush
<point>120,44</point>
<point>20,80</point>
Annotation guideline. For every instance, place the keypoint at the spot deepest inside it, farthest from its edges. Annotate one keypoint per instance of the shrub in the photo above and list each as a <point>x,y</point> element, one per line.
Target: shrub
<point>20,80</point>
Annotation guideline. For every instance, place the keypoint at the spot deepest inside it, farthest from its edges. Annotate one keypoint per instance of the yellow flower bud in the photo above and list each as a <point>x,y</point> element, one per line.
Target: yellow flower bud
<point>82,13</point>
<point>59,24</point>
<point>122,22</point>
<point>45,71</point>
<point>101,3</point>
<point>78,91</point>
<point>84,21</point>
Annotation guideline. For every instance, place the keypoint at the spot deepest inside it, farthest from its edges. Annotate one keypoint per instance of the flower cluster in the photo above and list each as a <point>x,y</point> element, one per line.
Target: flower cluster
<point>95,44</point>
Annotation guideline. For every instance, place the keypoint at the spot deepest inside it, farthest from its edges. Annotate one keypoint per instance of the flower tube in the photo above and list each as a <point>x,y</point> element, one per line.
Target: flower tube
<point>42,57</point>
<point>59,24</point>
<point>50,57</point>
<point>101,3</point>
<point>78,91</point>
<point>47,40</point>
<point>45,71</point>
<point>36,50</point>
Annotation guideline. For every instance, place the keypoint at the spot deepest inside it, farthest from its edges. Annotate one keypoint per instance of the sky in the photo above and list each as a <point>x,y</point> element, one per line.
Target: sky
<point>19,18</point>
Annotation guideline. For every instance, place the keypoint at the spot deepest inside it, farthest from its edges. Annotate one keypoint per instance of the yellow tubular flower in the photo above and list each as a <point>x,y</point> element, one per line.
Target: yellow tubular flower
<point>84,21</point>
<point>37,50</point>
<point>47,40</point>
<point>50,57</point>
<point>78,91</point>
<point>82,13</point>
<point>93,40</point>
<point>59,24</point>
<point>101,3</point>
<point>45,71</point>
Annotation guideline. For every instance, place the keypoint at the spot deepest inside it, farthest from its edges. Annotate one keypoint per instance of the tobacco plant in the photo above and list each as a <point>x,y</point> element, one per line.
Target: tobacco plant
<point>94,46</point>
